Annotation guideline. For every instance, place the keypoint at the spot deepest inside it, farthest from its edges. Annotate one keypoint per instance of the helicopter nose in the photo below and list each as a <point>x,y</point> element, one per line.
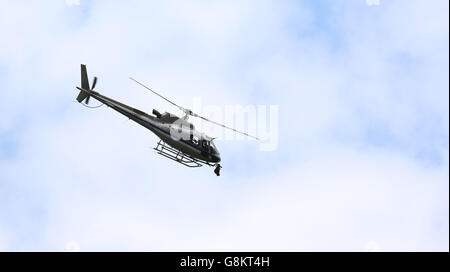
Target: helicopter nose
<point>215,158</point>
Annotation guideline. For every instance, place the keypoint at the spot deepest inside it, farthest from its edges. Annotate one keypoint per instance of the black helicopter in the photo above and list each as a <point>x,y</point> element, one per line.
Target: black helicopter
<point>179,139</point>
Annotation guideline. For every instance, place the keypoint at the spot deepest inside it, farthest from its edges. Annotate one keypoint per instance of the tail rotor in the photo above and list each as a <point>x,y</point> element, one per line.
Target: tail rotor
<point>84,94</point>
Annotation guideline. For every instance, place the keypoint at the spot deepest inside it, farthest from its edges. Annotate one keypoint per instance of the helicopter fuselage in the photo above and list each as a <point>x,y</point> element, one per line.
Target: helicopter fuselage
<point>166,127</point>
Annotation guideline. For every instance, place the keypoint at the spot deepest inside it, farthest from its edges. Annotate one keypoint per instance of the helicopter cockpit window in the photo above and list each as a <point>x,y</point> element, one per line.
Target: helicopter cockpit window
<point>213,147</point>
<point>205,144</point>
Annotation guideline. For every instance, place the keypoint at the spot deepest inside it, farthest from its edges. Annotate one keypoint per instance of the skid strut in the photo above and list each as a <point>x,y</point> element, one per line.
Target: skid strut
<point>176,155</point>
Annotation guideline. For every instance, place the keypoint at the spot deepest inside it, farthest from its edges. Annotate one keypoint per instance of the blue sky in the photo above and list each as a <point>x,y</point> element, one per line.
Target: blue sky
<point>362,91</point>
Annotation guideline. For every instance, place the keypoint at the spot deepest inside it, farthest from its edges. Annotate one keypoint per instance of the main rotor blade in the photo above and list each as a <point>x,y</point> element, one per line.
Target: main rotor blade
<point>157,94</point>
<point>189,112</point>
<point>219,124</point>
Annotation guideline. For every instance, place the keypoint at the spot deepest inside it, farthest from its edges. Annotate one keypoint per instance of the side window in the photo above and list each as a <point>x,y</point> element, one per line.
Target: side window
<point>205,145</point>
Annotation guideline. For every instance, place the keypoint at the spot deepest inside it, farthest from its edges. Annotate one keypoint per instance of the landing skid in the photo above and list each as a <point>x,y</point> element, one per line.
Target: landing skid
<point>176,155</point>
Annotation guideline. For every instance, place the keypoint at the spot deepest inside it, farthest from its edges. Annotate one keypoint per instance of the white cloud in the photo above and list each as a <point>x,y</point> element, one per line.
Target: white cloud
<point>337,201</point>
<point>372,246</point>
<point>72,2</point>
<point>72,246</point>
<point>373,2</point>
<point>328,187</point>
<point>4,240</point>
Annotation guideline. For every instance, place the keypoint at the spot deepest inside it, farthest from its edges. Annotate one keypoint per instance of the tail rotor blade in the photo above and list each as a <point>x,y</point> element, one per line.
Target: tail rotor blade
<point>87,99</point>
<point>94,83</point>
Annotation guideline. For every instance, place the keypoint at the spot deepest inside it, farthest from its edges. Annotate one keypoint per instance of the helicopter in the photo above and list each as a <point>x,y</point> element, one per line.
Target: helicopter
<point>179,140</point>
